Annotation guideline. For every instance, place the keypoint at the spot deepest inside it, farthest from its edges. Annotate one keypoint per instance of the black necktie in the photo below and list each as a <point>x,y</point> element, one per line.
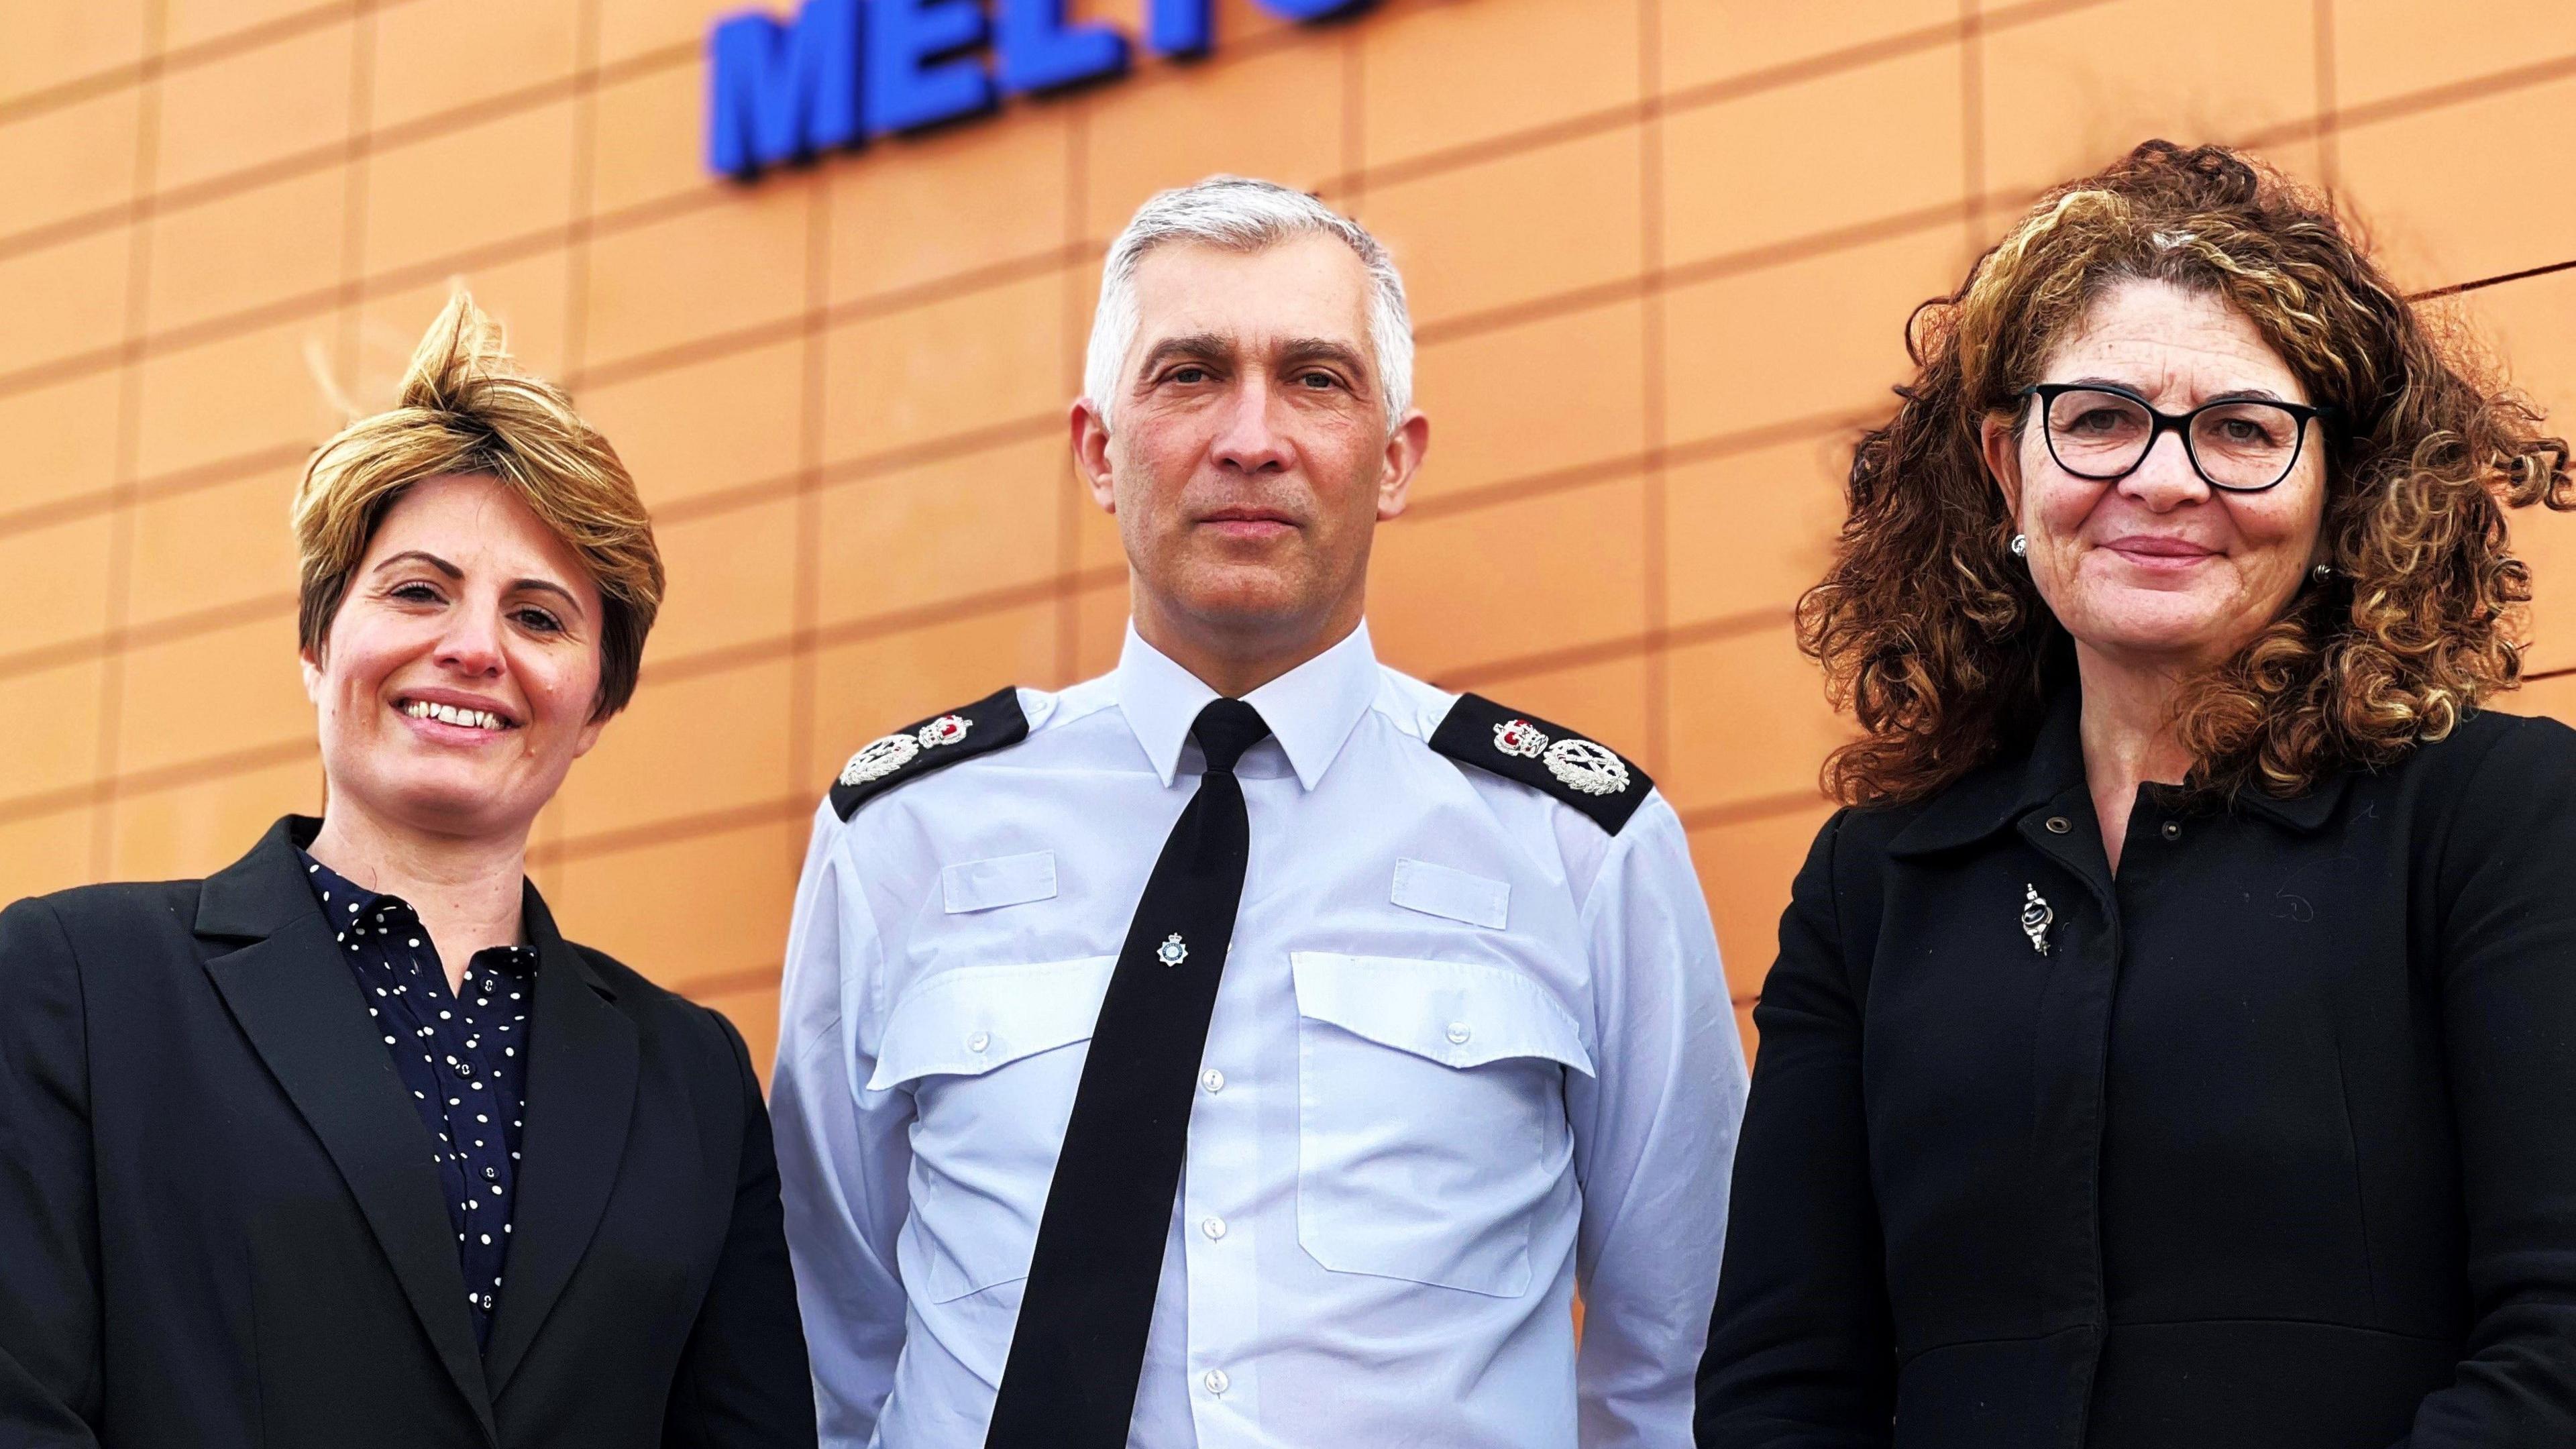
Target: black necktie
<point>1070,1381</point>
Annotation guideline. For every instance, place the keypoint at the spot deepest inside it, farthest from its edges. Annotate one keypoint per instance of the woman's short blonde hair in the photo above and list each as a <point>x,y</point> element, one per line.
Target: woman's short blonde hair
<point>468,408</point>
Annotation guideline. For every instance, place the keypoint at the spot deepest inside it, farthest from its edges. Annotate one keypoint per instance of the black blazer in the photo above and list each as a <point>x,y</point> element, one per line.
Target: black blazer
<point>2276,1145</point>
<point>220,1224</point>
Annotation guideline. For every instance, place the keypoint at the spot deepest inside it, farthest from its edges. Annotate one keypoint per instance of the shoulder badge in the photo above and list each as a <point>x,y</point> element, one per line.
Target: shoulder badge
<point>934,744</point>
<point>1592,778</point>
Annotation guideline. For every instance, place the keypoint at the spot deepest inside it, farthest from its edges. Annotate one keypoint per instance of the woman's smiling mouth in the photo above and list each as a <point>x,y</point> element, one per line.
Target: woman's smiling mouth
<point>478,719</point>
<point>2159,553</point>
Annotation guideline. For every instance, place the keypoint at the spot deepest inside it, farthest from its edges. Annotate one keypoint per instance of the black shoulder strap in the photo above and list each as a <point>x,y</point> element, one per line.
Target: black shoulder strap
<point>1592,778</point>
<point>991,723</point>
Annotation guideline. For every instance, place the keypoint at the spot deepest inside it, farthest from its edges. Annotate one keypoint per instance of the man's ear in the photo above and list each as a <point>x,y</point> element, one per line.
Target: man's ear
<point>1405,448</point>
<point>311,659</point>
<point>2001,444</point>
<point>1091,452</point>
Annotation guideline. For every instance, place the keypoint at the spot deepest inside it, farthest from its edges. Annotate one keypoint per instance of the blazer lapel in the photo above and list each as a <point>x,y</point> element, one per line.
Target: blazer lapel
<point>296,1001</point>
<point>581,1100</point>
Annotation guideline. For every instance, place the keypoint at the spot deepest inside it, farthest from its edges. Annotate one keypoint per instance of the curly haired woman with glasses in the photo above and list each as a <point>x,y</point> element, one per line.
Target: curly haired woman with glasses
<point>2174,1042</point>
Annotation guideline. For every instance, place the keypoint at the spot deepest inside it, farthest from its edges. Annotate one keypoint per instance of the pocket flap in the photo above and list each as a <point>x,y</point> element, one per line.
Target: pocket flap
<point>1436,890</point>
<point>1004,880</point>
<point>968,1021</point>
<point>1456,1013</point>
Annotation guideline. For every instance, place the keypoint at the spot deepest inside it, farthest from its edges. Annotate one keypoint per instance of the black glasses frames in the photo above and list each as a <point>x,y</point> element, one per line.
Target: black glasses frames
<point>2102,432</point>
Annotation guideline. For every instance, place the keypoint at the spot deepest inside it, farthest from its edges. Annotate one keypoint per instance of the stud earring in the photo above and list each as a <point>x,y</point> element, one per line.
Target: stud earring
<point>2321,572</point>
<point>2021,545</point>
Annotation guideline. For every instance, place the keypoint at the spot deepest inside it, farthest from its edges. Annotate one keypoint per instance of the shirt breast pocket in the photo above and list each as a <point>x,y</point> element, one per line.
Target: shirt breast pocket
<point>1431,1117</point>
<point>983,1050</point>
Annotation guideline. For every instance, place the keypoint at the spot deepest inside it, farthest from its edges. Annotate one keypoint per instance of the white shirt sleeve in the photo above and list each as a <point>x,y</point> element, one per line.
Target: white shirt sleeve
<point>1654,1137</point>
<point>844,1156</point>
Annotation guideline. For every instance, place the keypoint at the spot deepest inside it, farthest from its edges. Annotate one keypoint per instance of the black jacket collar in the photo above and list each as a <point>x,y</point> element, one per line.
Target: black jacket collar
<point>298,1003</point>
<point>2003,792</point>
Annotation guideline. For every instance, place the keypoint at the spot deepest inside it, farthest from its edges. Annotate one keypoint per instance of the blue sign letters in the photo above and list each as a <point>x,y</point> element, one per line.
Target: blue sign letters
<point>781,92</point>
<point>1033,51</point>
<point>915,74</point>
<point>844,72</point>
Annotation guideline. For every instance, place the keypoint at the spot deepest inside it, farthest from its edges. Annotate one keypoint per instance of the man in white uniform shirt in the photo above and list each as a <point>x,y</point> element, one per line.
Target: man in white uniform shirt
<point>1254,1046</point>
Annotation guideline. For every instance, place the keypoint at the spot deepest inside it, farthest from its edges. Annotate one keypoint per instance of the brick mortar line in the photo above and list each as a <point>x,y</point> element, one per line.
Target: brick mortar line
<point>63,94</point>
<point>29,105</point>
<point>1817,426</point>
<point>194,478</point>
<point>1390,173</point>
<point>673,56</point>
<point>725,983</point>
<point>1736,625</point>
<point>163,777</point>
<point>360,142</point>
<point>166,630</point>
<point>156,779</point>
<point>714,661</point>
<point>1456,328</point>
<point>1758,807</point>
<point>918,295</point>
<point>682,203</point>
<point>892,301</point>
<point>779,808</point>
<point>1695,97</point>
<point>107,752</point>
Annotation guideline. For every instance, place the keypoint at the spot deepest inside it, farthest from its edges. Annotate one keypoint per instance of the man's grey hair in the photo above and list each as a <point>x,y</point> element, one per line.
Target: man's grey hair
<point>1244,215</point>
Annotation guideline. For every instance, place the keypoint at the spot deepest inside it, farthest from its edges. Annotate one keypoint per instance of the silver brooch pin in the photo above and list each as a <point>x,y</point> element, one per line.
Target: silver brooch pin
<point>1173,951</point>
<point>2036,918</point>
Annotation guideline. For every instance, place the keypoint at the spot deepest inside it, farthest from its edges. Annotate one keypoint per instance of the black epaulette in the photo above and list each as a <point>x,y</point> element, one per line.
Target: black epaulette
<point>1592,778</point>
<point>989,724</point>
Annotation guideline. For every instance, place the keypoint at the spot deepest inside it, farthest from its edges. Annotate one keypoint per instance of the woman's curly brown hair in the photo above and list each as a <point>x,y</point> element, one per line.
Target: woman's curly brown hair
<point>1933,634</point>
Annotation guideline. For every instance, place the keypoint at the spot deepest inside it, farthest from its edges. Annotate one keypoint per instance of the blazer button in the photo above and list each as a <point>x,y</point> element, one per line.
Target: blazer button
<point>2173,830</point>
<point>2059,825</point>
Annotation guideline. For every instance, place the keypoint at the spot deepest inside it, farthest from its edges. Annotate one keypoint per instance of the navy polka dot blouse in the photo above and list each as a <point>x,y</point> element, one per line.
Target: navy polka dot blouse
<point>463,1057</point>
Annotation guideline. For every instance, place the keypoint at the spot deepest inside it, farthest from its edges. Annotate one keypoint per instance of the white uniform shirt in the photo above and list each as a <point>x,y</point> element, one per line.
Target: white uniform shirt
<point>1470,1050</point>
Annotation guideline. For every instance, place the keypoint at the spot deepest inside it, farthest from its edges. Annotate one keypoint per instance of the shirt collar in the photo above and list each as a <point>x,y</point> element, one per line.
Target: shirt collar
<point>357,914</point>
<point>345,903</point>
<point>1311,709</point>
<point>2051,775</point>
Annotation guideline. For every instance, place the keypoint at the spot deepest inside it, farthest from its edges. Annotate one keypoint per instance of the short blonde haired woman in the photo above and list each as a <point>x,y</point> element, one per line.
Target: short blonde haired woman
<point>347,1144</point>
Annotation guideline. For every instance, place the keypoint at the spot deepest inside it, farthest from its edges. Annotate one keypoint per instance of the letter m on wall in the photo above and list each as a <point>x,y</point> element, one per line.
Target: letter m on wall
<point>782,92</point>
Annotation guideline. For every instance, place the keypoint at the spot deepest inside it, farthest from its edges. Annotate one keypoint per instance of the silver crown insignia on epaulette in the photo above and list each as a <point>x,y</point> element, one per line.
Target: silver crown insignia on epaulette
<point>1520,737</point>
<point>1581,764</point>
<point>880,758</point>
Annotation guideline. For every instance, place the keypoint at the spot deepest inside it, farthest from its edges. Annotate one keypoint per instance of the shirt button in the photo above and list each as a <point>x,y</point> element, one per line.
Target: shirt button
<point>1212,1079</point>
<point>484,1302</point>
<point>2173,830</point>
<point>1214,1228</point>
<point>1216,1381</point>
<point>464,1069</point>
<point>2059,825</point>
<point>1458,1033</point>
<point>979,1041</point>
<point>491,1174</point>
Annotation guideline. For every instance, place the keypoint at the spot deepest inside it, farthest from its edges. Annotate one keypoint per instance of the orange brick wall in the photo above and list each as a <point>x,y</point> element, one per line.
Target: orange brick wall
<point>1661,252</point>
